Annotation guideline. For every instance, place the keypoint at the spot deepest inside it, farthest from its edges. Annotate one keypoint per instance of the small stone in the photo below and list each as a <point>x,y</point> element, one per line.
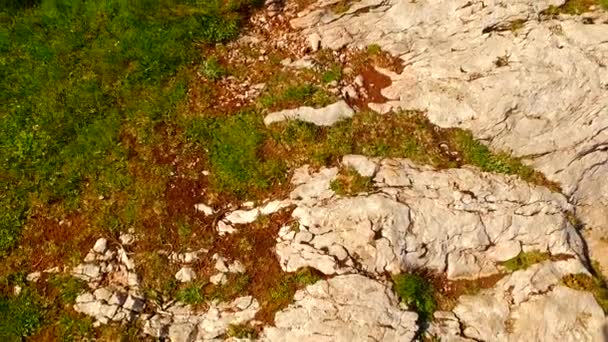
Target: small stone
<point>34,276</point>
<point>236,267</point>
<point>127,239</point>
<point>349,92</point>
<point>52,270</point>
<point>100,245</point>
<point>220,265</point>
<point>315,41</point>
<point>243,216</point>
<point>124,259</point>
<point>90,257</point>
<point>224,228</point>
<point>17,290</point>
<point>218,279</point>
<point>103,294</point>
<point>185,275</point>
<point>205,209</point>
<point>118,298</point>
<point>87,271</point>
<point>134,304</point>
<point>358,81</point>
<point>132,279</point>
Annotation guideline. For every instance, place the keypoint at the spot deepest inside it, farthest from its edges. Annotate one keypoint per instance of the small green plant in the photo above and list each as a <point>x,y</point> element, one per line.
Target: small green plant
<point>417,293</point>
<point>192,294</point>
<point>212,69</point>
<point>525,259</point>
<point>333,74</point>
<point>284,291</point>
<point>241,331</point>
<point>350,182</point>
<point>374,49</point>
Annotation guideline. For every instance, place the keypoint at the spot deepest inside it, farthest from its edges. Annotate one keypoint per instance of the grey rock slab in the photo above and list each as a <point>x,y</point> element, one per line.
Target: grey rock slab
<point>326,116</point>
<point>465,67</point>
<point>343,308</point>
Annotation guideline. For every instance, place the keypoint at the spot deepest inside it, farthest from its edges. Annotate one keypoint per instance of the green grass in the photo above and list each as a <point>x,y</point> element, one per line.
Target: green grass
<point>235,153</point>
<point>78,74</point>
<point>332,74</point>
<point>285,290</point>
<point>212,69</point>
<point>69,287</point>
<point>192,294</point>
<point>374,49</point>
<point>524,260</point>
<point>20,315</point>
<point>417,293</point>
<point>75,329</point>
<point>295,96</point>
<point>350,182</point>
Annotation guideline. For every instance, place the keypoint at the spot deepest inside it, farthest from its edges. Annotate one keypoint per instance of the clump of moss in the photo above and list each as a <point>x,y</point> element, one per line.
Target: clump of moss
<point>241,331</point>
<point>350,182</point>
<point>525,259</point>
<point>416,292</point>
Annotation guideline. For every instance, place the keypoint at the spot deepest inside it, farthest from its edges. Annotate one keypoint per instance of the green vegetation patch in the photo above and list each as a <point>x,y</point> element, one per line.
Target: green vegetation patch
<point>417,293</point>
<point>20,315</point>
<point>350,182</point>
<point>596,285</point>
<point>234,145</point>
<point>576,7</point>
<point>297,95</point>
<point>78,74</point>
<point>525,259</point>
<point>241,331</point>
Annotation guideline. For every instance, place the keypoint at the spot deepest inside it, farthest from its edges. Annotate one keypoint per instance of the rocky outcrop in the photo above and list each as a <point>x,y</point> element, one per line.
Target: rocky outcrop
<point>528,305</point>
<point>536,88</point>
<point>458,221</point>
<point>344,308</point>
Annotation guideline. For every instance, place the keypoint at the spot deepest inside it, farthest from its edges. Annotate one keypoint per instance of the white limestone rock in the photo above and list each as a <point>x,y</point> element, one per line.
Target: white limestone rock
<point>326,116</point>
<point>343,308</point>
<point>185,275</point>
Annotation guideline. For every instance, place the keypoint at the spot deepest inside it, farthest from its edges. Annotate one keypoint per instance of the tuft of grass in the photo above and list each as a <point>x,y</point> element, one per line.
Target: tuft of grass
<point>192,294</point>
<point>524,260</point>
<point>241,331</point>
<point>374,49</point>
<point>297,95</point>
<point>350,182</point>
<point>596,285</point>
<point>281,294</point>
<point>333,74</point>
<point>417,293</point>
<point>212,69</point>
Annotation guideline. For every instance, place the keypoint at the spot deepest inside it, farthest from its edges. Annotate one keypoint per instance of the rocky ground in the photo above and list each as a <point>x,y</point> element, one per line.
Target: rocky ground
<point>502,256</point>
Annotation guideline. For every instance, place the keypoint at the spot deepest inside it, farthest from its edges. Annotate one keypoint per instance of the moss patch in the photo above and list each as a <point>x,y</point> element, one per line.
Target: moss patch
<point>525,259</point>
<point>350,182</point>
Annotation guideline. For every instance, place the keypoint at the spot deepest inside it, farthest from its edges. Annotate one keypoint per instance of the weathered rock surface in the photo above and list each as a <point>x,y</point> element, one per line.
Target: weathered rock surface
<point>325,116</point>
<point>540,91</point>
<point>459,221</point>
<point>344,308</point>
<point>528,305</point>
